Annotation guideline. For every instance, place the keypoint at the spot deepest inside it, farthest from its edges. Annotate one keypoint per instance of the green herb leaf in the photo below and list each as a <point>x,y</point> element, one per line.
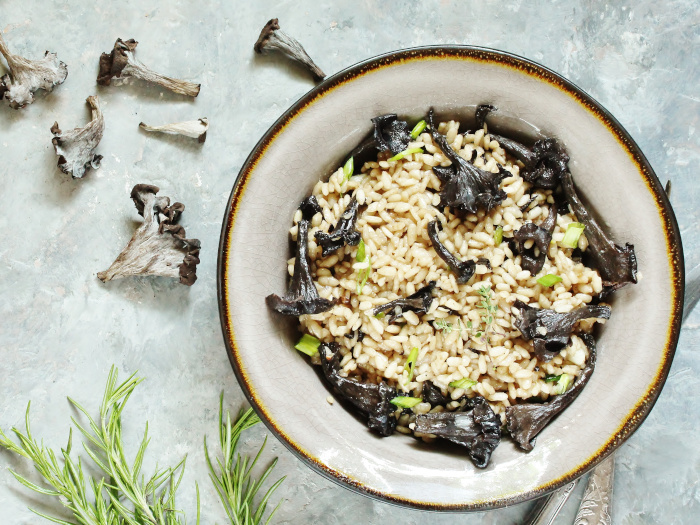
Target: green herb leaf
<point>405,401</point>
<point>418,129</point>
<point>409,151</point>
<point>551,378</point>
<point>573,232</point>
<point>411,362</point>
<point>562,384</point>
<point>442,324</point>
<point>348,169</point>
<point>549,280</point>
<point>308,345</point>
<point>498,236</point>
<point>463,383</point>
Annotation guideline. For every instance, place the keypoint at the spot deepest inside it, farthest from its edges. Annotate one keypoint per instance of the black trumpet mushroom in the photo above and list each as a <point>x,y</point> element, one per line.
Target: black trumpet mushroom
<point>542,236</point>
<point>343,233</point>
<point>465,188</point>
<point>463,269</point>
<point>478,428</point>
<point>526,420</point>
<point>301,297</point>
<point>551,331</point>
<point>391,133</point>
<point>372,400</point>
<point>617,265</point>
<point>309,207</point>
<point>433,395</point>
<point>418,302</point>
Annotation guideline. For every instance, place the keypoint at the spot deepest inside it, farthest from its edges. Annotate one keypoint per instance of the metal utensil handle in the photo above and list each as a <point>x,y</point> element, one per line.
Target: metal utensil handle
<point>547,507</point>
<point>597,499</point>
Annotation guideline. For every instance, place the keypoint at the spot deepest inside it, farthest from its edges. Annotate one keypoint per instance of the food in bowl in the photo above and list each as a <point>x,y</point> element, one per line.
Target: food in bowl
<point>450,288</point>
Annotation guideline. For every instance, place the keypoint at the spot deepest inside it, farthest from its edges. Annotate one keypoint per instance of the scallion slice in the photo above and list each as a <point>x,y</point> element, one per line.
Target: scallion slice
<point>418,129</point>
<point>405,401</point>
<point>562,384</point>
<point>409,151</point>
<point>360,255</point>
<point>362,275</point>
<point>549,280</point>
<point>411,363</point>
<point>573,232</point>
<point>498,236</point>
<point>308,345</point>
<point>465,383</point>
<point>551,378</point>
<point>348,169</point>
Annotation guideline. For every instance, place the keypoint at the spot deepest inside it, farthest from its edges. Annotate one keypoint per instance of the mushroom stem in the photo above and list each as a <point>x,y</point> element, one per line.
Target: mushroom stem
<point>272,38</point>
<point>136,69</point>
<point>196,129</point>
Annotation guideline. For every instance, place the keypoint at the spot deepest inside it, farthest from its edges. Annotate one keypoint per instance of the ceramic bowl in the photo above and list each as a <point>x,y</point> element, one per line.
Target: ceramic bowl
<point>310,141</point>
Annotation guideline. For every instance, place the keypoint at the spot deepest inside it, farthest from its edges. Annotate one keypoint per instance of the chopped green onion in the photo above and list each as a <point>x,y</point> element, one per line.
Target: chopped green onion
<point>463,383</point>
<point>409,151</point>
<point>498,236</point>
<point>549,280</point>
<point>573,232</point>
<point>418,129</point>
<point>551,378</point>
<point>362,275</point>
<point>562,385</point>
<point>348,169</point>
<point>405,401</point>
<point>308,344</point>
<point>380,315</point>
<point>360,255</point>
<point>411,363</point>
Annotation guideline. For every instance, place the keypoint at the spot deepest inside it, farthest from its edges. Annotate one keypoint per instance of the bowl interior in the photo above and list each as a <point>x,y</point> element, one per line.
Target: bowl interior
<point>635,346</point>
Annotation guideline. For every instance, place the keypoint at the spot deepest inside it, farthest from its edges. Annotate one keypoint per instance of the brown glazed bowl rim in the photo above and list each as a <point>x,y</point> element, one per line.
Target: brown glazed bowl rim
<point>674,252</point>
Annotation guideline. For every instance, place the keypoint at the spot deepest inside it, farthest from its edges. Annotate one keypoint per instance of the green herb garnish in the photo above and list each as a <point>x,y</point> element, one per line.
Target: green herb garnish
<point>308,345</point>
<point>418,129</point>
<point>551,378</point>
<point>360,255</point>
<point>363,275</point>
<point>411,362</point>
<point>409,151</point>
<point>549,280</point>
<point>405,401</point>
<point>348,169</point>
<point>498,236</point>
<point>380,315</point>
<point>465,383</point>
<point>442,324</point>
<point>562,384</point>
<point>573,232</point>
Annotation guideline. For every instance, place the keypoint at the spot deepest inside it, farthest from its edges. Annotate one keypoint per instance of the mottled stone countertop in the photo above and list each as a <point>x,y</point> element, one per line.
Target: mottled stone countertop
<point>61,328</point>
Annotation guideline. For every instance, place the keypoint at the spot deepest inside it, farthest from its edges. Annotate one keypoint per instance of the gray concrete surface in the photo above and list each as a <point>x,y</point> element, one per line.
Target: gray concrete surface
<point>61,329</point>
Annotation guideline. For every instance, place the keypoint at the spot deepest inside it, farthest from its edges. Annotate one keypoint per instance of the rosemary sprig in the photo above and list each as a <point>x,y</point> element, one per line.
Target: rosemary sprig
<point>233,480</point>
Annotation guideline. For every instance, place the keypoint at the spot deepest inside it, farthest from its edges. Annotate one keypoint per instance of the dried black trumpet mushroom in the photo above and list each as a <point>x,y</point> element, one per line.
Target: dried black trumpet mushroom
<point>343,233</point>
<point>391,134</point>
<point>196,129</point>
<point>464,186</point>
<point>372,400</point>
<point>541,235</point>
<point>272,38</point>
<point>433,395</point>
<point>544,163</point>
<point>526,420</point>
<point>463,269</point>
<point>551,331</point>
<point>478,428</point>
<point>27,76</point>
<point>76,148</point>
<point>309,207</point>
<point>159,246</point>
<point>617,265</point>
<point>121,63</point>
<point>418,302</point>
<point>301,297</point>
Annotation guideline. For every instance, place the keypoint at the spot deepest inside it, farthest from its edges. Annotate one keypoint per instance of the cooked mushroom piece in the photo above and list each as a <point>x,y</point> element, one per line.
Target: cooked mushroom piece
<point>464,186</point>
<point>391,133</point>
<point>27,76</point>
<point>533,259</point>
<point>617,265</point>
<point>526,420</point>
<point>301,297</point>
<point>433,395</point>
<point>309,207</point>
<point>418,302</point>
<point>121,63</point>
<point>372,400</point>
<point>463,269</point>
<point>159,246</point>
<point>272,38</point>
<point>478,428</point>
<point>550,331</point>
<point>76,148</point>
<point>343,233</point>
<point>196,129</point>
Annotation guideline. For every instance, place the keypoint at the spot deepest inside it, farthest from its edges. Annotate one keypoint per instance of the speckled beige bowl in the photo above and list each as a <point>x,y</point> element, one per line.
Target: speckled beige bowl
<point>310,140</point>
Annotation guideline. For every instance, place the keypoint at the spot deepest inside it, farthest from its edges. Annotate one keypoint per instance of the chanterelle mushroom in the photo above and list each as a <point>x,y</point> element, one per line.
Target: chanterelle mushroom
<point>121,63</point>
<point>196,129</point>
<point>272,38</point>
<point>76,148</point>
<point>159,246</point>
<point>27,76</point>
